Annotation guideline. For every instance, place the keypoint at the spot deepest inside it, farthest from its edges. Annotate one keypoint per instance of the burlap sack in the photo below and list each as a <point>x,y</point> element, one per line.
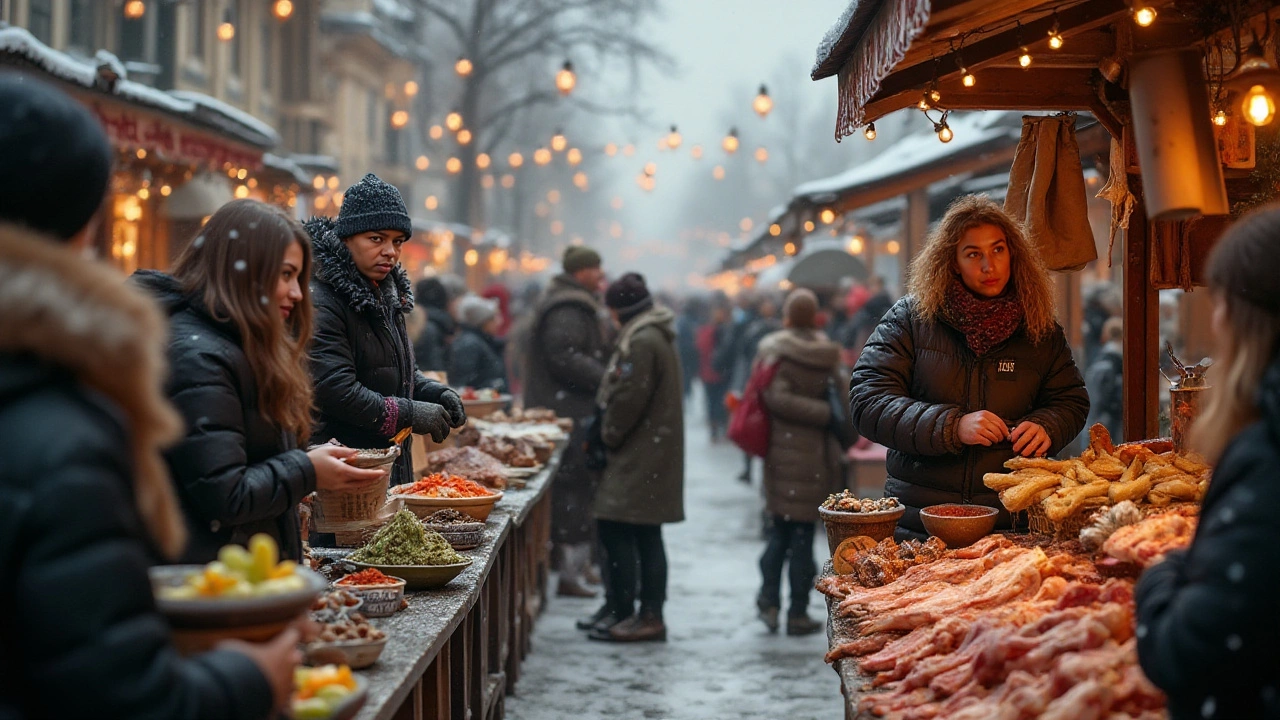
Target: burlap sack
<point>1046,192</point>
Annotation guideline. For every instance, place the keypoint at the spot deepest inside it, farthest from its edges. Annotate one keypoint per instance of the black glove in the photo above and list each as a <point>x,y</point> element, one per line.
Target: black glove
<point>430,419</point>
<point>452,404</point>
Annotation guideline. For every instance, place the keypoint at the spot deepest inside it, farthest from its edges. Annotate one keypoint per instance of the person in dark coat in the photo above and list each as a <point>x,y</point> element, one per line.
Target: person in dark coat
<point>1207,627</point>
<point>804,461</point>
<point>691,317</point>
<point>477,354</point>
<point>86,505</point>
<point>970,369</point>
<point>239,470</point>
<point>431,350</point>
<point>713,371</point>
<point>1105,380</point>
<point>565,364</point>
<point>642,427</point>
<point>366,385</point>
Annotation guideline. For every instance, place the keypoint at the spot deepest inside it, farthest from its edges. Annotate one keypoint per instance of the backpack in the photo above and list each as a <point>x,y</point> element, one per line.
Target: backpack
<point>749,423</point>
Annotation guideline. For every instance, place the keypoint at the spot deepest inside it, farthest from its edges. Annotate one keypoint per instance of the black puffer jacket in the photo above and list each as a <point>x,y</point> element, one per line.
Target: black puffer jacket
<point>476,361</point>
<point>237,473</point>
<point>361,361</point>
<point>432,348</point>
<point>79,633</point>
<point>914,381</point>
<point>1207,622</point>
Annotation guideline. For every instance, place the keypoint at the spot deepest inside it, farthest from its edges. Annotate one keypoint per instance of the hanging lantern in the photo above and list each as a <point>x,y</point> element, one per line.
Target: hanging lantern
<point>730,143</point>
<point>453,121</point>
<point>463,67</point>
<point>282,9</point>
<point>559,142</point>
<point>763,103</point>
<point>673,138</point>
<point>566,80</point>
<point>135,9</point>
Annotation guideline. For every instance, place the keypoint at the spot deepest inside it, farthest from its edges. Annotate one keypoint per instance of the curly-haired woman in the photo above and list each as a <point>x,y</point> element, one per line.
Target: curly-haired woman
<point>970,368</point>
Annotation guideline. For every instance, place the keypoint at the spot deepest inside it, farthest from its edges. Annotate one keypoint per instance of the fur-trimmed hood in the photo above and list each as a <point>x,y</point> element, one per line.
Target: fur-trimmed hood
<point>810,348</point>
<point>81,317</point>
<point>335,266</point>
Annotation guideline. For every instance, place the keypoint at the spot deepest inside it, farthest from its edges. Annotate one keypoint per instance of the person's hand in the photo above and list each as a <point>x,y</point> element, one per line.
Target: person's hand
<point>982,428</point>
<point>276,660</point>
<point>431,419</point>
<point>452,405</point>
<point>1030,440</point>
<point>334,474</point>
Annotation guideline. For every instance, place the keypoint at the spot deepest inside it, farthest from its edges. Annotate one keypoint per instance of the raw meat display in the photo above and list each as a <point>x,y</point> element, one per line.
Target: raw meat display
<point>470,463</point>
<point>1147,541</point>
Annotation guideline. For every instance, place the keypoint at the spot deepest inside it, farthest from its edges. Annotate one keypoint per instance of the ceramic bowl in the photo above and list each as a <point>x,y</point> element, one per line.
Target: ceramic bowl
<point>231,612</point>
<point>378,600</point>
<point>356,653</point>
<point>875,525</point>
<point>959,525</point>
<point>421,577</point>
<point>477,507</point>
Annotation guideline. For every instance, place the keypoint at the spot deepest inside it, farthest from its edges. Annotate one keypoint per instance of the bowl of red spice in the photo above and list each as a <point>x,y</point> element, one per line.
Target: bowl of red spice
<point>959,525</point>
<point>439,491</point>
<point>382,594</point>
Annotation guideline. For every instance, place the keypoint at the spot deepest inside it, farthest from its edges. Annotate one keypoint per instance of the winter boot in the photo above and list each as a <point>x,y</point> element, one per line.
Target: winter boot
<point>645,627</point>
<point>802,625</point>
<point>767,612</point>
<point>589,622</point>
<point>574,561</point>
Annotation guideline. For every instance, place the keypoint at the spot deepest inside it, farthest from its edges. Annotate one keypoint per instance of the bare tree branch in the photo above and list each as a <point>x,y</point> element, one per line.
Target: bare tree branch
<point>444,16</point>
<point>537,97</point>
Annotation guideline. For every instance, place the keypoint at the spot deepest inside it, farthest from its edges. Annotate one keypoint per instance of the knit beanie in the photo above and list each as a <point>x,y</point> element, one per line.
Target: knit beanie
<point>475,311</point>
<point>629,296</point>
<point>801,309</point>
<point>454,286</point>
<point>369,205</point>
<point>580,257</point>
<point>430,293</point>
<point>1244,261</point>
<point>55,159</point>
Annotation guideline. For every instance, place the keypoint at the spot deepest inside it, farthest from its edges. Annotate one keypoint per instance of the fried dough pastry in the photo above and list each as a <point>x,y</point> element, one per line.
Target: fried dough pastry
<point>1023,495</point>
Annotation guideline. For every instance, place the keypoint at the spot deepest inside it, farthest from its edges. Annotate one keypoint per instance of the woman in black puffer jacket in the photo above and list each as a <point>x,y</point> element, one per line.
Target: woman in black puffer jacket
<point>1207,623</point>
<point>366,383</point>
<point>240,319</point>
<point>970,369</point>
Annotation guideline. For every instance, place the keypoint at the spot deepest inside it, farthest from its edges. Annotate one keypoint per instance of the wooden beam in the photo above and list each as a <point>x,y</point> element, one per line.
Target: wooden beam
<point>891,188</point>
<point>1005,89</point>
<point>1141,345</point>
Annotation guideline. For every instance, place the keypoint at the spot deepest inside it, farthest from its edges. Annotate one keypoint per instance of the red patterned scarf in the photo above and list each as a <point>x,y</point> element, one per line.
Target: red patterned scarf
<point>985,322</point>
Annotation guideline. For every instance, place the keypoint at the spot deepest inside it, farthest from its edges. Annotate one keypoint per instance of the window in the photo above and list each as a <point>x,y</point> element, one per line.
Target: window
<point>133,38</point>
<point>196,19</point>
<point>40,20</point>
<point>81,35</point>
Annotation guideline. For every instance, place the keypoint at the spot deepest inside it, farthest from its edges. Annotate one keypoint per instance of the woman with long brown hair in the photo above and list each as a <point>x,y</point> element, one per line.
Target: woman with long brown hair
<point>240,312</point>
<point>1207,622</point>
<point>970,368</point>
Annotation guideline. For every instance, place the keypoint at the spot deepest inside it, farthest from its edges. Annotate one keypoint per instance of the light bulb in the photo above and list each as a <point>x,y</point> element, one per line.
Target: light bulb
<point>453,121</point>
<point>559,142</point>
<point>436,132</point>
<point>399,119</point>
<point>923,103</point>
<point>566,80</point>
<point>1220,118</point>
<point>464,136</point>
<point>945,134</point>
<point>282,9</point>
<point>763,103</point>
<point>775,229</point>
<point>870,132</point>
<point>135,9</point>
<point>574,156</point>
<point>226,32</point>
<point>762,155</point>
<point>968,80</point>
<point>483,160</point>
<point>1144,16</point>
<point>410,88</point>
<point>1024,59</point>
<point>515,159</point>
<point>1055,36</point>
<point>453,165</point>
<point>827,216</point>
<point>1258,106</point>
<point>673,138</point>
<point>541,156</point>
<point>611,149</point>
<point>423,162</point>
<point>730,143</point>
<point>463,67</point>
<point>934,96</point>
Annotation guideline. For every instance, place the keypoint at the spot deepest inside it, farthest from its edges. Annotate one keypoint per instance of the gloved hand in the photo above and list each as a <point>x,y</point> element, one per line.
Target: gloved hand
<point>452,404</point>
<point>430,419</point>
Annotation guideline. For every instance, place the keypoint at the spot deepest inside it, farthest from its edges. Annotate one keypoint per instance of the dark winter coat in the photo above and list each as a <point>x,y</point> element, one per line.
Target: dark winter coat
<point>1207,622</point>
<point>477,361</point>
<point>361,361</point>
<point>567,351</point>
<point>237,473</point>
<point>79,632</point>
<point>915,379</point>
<point>643,428</point>
<point>432,348</point>
<point>804,463</point>
<point>1105,381</point>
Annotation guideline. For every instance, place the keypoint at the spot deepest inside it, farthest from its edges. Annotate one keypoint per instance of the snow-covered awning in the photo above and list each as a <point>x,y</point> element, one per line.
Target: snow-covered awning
<point>106,75</point>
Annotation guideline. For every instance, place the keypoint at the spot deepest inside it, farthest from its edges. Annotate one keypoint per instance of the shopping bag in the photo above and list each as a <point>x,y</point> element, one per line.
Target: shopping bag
<point>749,423</point>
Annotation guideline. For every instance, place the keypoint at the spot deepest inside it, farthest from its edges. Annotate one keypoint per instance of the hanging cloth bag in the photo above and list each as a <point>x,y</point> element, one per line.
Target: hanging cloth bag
<point>749,423</point>
<point>1046,192</point>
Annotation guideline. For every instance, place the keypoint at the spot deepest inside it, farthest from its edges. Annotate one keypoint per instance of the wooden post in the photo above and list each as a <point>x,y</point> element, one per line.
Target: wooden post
<point>1141,328</point>
<point>915,228</point>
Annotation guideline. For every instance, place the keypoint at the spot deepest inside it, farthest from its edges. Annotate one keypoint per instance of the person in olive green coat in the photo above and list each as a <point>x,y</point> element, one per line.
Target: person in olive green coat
<point>643,486</point>
<point>804,462</point>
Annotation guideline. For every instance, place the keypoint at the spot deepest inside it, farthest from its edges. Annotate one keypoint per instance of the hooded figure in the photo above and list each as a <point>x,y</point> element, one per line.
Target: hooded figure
<point>431,350</point>
<point>366,385</point>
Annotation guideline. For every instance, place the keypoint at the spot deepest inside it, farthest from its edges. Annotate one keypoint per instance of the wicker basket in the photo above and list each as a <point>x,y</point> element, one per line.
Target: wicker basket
<point>357,534</point>
<point>338,511</point>
<point>1069,527</point>
<point>875,525</point>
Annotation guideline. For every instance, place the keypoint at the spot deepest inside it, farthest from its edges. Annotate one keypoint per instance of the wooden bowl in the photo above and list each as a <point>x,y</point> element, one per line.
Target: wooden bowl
<point>421,577</point>
<point>480,409</point>
<point>959,525</point>
<point>232,613</point>
<point>875,525</point>
<point>477,507</point>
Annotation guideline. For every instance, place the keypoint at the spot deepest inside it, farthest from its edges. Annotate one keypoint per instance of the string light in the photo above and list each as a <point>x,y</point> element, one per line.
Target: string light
<point>453,121</point>
<point>1258,106</point>
<point>471,258</point>
<point>463,67</point>
<point>1144,15</point>
<point>893,247</point>
<point>775,229</point>
<point>730,143</point>
<point>673,138</point>
<point>453,165</point>
<point>870,131</point>
<point>944,132</point>
<point>566,80</point>
<point>1220,118</point>
<point>827,216</point>
<point>486,182</point>
<point>399,119</point>
<point>436,132</point>
<point>808,226</point>
<point>226,30</point>
<point>482,161</point>
<point>508,181</point>
<point>611,149</point>
<point>464,136</point>
<point>1024,57</point>
<point>423,162</point>
<point>541,156</point>
<point>410,88</point>
<point>763,103</point>
<point>282,9</point>
<point>1055,34</point>
<point>651,168</point>
<point>762,154</point>
<point>135,9</point>
<point>967,79</point>
<point>432,202</point>
<point>559,142</point>
<point>574,156</point>
<point>696,152</point>
<point>515,160</point>
<point>718,172</point>
<point>789,248</point>
<point>855,245</point>
<point>580,181</point>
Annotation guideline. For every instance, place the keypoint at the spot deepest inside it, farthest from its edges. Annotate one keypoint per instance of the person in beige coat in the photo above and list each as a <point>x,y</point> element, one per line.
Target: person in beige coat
<point>804,463</point>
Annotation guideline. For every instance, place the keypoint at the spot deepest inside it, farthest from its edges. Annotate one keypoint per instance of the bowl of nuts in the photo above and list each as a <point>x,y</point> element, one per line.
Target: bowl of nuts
<point>846,515</point>
<point>346,636</point>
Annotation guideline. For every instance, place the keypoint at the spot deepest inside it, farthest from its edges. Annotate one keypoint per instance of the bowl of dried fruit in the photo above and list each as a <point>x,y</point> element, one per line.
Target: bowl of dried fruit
<point>381,595</point>
<point>461,530</point>
<point>959,525</point>
<point>846,515</point>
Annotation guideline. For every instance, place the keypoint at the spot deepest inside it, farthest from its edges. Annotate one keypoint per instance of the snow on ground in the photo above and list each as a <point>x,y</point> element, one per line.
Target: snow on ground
<point>719,660</point>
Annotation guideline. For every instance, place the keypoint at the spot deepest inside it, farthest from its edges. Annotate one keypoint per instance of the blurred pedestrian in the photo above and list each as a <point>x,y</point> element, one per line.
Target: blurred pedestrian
<point>566,360</point>
<point>517,355</point>
<point>1207,628</point>
<point>805,460</point>
<point>868,316</point>
<point>643,486</point>
<point>85,495</point>
<point>1105,380</point>
<point>692,316</point>
<point>765,321</point>
<point>712,369</point>
<point>476,357</point>
<point>433,301</point>
<point>1101,303</point>
<point>970,369</point>
<point>366,386</point>
<point>500,293</point>
<point>239,378</point>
